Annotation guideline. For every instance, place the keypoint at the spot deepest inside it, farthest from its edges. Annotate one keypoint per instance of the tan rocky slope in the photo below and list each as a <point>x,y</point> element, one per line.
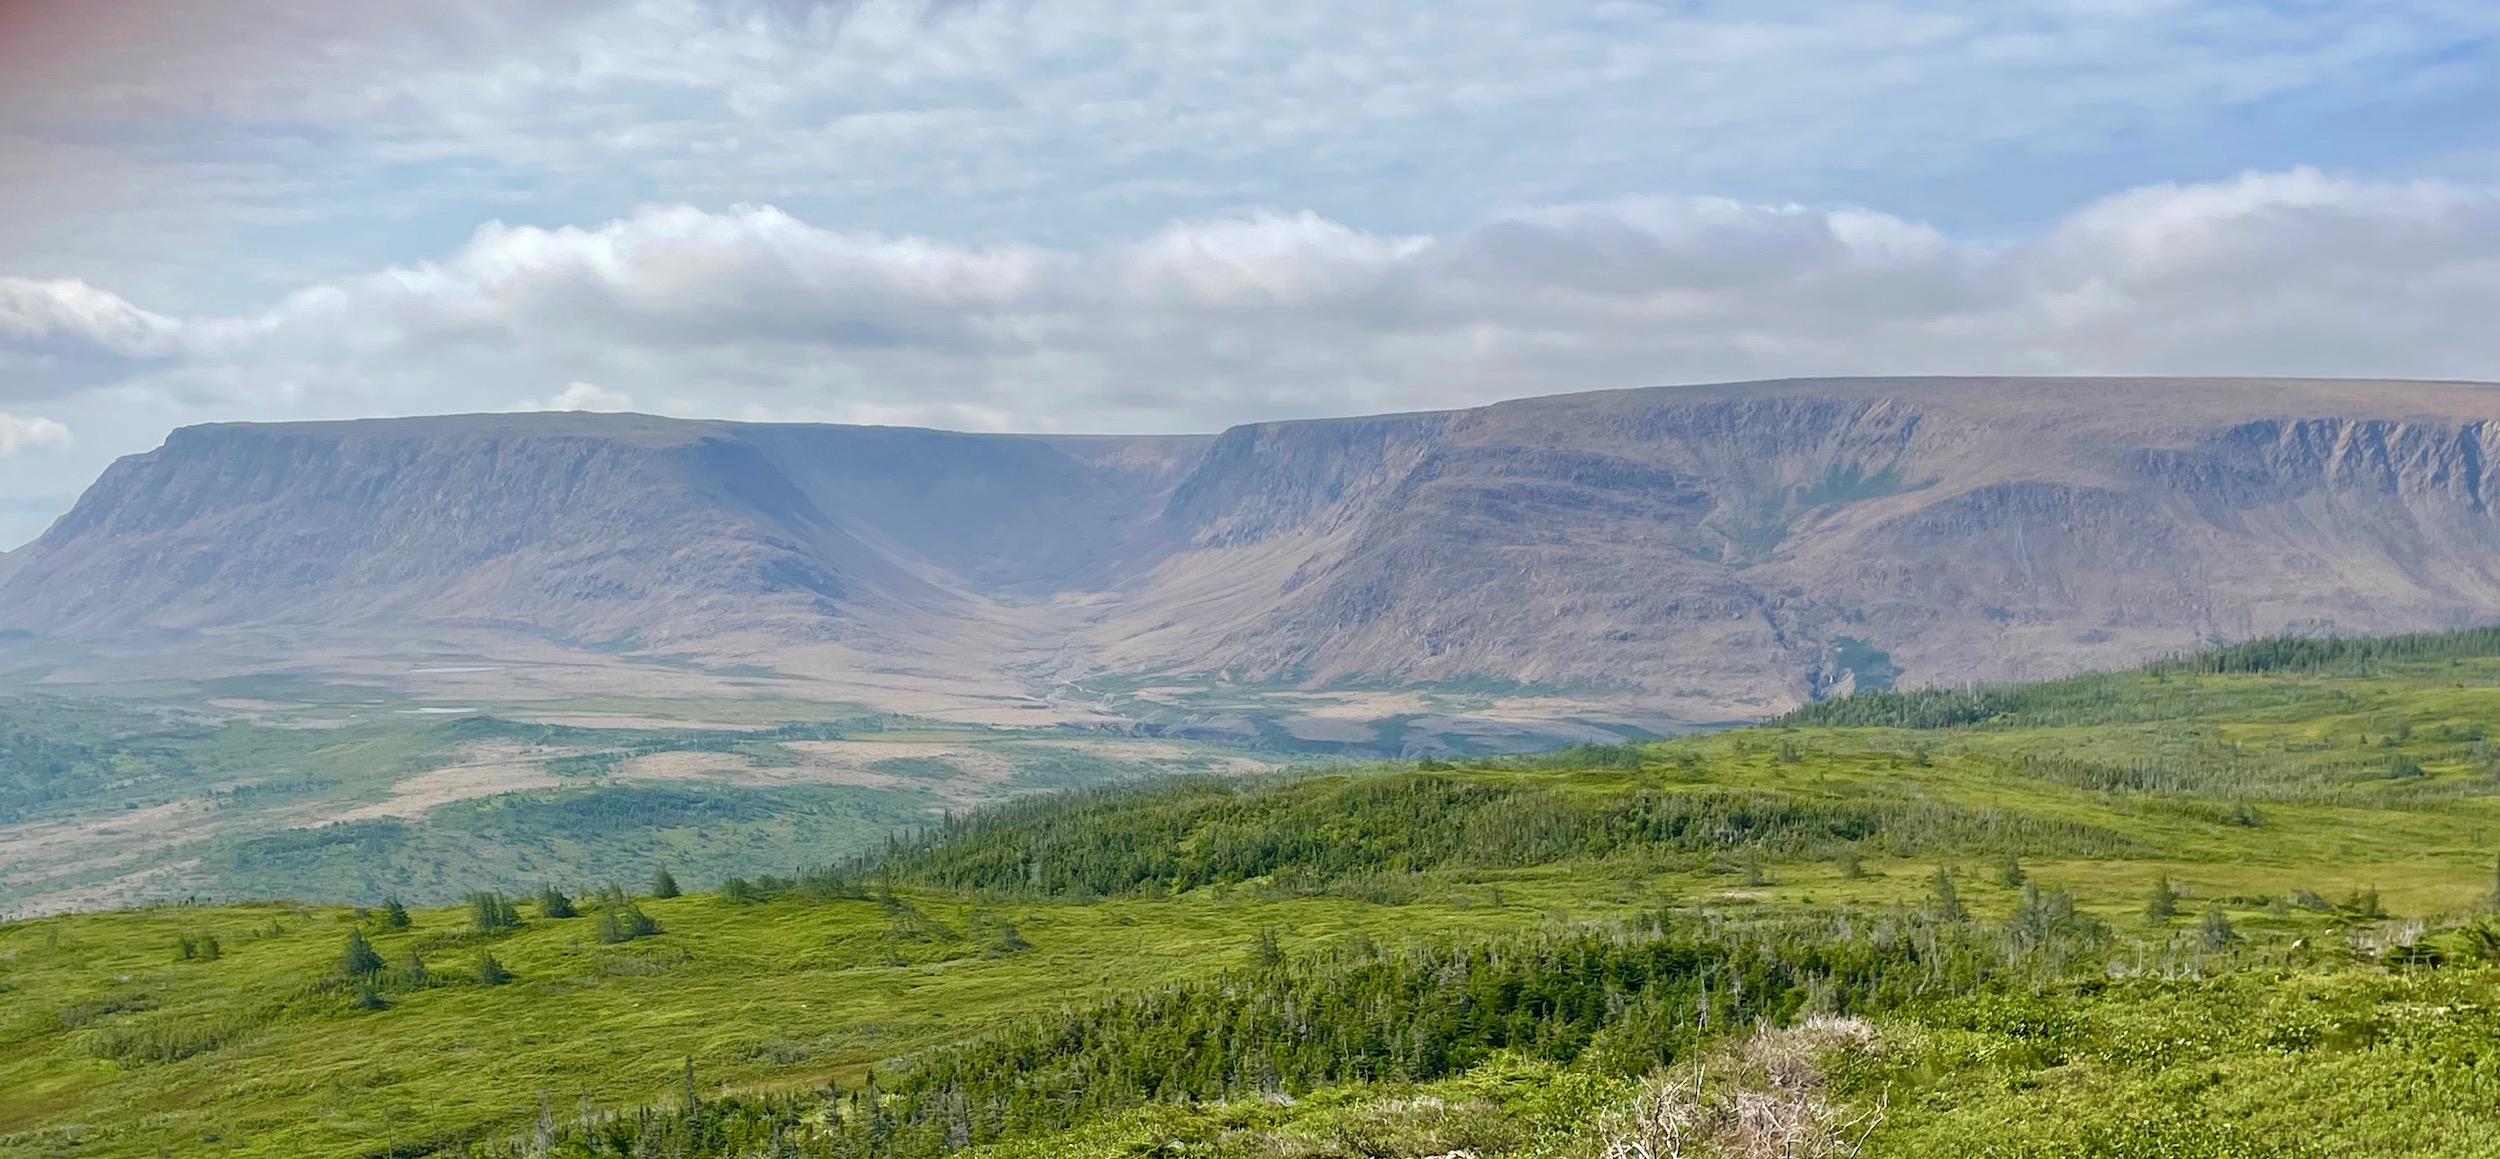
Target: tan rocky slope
<point>1734,548</point>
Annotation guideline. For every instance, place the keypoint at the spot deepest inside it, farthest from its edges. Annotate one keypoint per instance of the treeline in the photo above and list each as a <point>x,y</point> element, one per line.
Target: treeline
<point>2106,697</point>
<point>2335,655</point>
<point>1620,1001</point>
<point>1306,834</point>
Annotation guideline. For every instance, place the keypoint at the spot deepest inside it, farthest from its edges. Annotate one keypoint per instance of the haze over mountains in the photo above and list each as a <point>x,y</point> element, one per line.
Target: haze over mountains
<point>1641,556</point>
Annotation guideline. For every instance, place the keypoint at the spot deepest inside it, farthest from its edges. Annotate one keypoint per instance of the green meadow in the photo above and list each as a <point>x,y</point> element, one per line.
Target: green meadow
<point>2232,904</point>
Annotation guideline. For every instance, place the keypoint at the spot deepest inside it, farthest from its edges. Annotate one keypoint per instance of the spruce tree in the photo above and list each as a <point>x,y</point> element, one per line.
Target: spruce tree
<point>491,972</point>
<point>2215,932</point>
<point>2163,903</point>
<point>1270,950</point>
<point>663,885</point>
<point>2010,872</point>
<point>394,915</point>
<point>492,913</point>
<point>358,960</point>
<point>1948,900</point>
<point>553,904</point>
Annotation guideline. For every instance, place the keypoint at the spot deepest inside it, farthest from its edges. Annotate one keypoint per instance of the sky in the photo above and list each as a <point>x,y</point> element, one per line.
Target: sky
<point>1078,215</point>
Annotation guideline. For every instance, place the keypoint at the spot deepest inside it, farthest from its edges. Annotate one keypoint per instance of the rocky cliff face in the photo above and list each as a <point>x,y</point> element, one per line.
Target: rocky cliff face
<point>1751,545</point>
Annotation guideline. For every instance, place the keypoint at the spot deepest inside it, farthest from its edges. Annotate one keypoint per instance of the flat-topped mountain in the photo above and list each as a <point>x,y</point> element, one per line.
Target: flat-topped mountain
<point>1712,550</point>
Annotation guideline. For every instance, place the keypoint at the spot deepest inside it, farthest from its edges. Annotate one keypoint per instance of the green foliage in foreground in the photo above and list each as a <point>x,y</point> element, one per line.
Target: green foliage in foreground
<point>2239,905</point>
<point>2244,1066</point>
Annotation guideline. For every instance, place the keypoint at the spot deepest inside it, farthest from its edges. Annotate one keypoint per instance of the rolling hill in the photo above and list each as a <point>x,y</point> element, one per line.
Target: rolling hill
<point>2233,904</point>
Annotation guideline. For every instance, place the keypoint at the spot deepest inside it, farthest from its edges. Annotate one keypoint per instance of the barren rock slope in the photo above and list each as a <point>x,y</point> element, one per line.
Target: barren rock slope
<point>1753,544</point>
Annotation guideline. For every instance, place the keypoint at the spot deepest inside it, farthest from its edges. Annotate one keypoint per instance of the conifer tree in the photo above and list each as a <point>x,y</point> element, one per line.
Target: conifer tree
<point>2215,931</point>
<point>2163,903</point>
<point>663,885</point>
<point>553,904</point>
<point>1270,951</point>
<point>491,912</point>
<point>2010,872</point>
<point>358,960</point>
<point>491,972</point>
<point>1948,900</point>
<point>394,915</point>
<point>1755,875</point>
<point>620,920</point>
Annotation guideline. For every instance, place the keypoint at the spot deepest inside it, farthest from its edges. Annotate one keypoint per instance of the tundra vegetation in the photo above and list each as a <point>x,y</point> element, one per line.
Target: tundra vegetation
<point>2240,903</point>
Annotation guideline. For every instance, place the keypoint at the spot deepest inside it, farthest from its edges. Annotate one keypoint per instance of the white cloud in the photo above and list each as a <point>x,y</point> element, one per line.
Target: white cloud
<point>19,433</point>
<point>253,144</point>
<point>63,334</point>
<point>1263,315</point>
<point>581,396</point>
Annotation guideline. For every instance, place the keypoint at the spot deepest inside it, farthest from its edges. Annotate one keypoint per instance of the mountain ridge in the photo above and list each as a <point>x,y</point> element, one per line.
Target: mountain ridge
<point>1736,548</point>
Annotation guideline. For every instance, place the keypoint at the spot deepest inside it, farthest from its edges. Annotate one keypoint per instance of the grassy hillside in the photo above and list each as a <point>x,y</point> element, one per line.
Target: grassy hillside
<point>2229,905</point>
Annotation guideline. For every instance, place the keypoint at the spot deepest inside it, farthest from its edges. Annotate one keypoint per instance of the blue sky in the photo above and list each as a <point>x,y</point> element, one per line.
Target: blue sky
<point>1084,215</point>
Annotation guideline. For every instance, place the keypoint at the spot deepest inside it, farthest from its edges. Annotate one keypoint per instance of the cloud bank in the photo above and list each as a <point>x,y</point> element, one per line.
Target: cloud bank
<point>208,157</point>
<point>752,311</point>
<point>19,433</point>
